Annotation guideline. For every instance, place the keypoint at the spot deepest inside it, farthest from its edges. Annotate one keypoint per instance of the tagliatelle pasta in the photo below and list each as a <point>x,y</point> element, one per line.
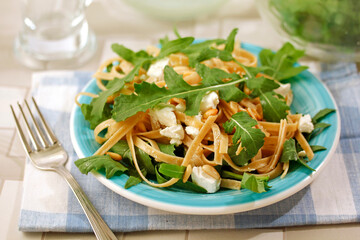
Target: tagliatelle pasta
<point>236,133</point>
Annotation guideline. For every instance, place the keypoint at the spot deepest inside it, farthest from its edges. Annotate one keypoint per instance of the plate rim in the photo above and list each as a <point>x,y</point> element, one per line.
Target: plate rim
<point>212,210</point>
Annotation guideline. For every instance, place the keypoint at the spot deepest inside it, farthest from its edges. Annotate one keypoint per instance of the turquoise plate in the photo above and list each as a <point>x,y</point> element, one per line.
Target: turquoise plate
<point>310,96</point>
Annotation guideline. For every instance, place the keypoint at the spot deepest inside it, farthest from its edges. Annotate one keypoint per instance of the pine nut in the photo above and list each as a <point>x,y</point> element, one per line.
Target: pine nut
<point>210,112</point>
<point>115,156</point>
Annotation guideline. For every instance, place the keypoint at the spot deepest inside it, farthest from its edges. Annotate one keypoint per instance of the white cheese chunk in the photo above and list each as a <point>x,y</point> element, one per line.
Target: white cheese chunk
<point>284,89</point>
<point>305,124</point>
<point>201,178</point>
<point>209,101</point>
<point>157,68</point>
<point>192,131</point>
<point>181,107</point>
<point>302,153</point>
<point>176,133</point>
<point>165,116</point>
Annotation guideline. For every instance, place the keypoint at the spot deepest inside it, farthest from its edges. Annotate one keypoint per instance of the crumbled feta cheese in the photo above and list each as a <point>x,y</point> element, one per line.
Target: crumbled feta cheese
<point>201,178</point>
<point>209,101</point>
<point>283,90</point>
<point>199,116</point>
<point>176,133</point>
<point>181,107</point>
<point>302,153</point>
<point>165,116</point>
<point>157,68</point>
<point>193,131</point>
<point>305,124</point>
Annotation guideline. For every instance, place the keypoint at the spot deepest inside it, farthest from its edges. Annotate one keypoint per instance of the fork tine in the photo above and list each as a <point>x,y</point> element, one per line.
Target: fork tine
<point>48,131</point>
<point>20,132</point>
<point>31,134</point>
<point>37,128</point>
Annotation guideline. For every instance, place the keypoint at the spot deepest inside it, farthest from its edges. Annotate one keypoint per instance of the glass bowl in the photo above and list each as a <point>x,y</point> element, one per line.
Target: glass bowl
<point>328,30</point>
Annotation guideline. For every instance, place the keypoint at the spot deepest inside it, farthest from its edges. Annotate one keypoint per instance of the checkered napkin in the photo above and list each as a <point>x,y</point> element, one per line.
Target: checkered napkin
<point>49,205</point>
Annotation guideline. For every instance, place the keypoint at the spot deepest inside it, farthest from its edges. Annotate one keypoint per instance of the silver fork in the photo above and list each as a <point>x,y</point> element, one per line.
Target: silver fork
<point>47,154</point>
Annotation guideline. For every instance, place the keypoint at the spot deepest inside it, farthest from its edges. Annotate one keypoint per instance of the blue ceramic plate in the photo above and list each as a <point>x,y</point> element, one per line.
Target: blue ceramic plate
<point>310,96</point>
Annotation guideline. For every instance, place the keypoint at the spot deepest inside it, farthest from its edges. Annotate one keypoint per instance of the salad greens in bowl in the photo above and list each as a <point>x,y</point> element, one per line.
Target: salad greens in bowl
<point>200,127</point>
<point>326,29</point>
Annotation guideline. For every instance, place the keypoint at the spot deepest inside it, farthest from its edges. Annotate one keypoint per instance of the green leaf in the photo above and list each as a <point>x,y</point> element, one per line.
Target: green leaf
<point>274,109</point>
<point>167,148</point>
<point>281,64</point>
<point>212,76</point>
<point>172,170</point>
<point>254,183</point>
<point>133,57</point>
<point>176,32</point>
<point>94,121</point>
<point>261,85</point>
<point>321,125</point>
<point>143,158</point>
<point>111,167</point>
<point>289,151</point>
<point>209,53</point>
<point>230,41</point>
<point>321,114</point>
<point>195,50</point>
<point>290,154</point>
<point>187,185</point>
<point>148,95</point>
<point>303,162</point>
<point>317,148</point>
<point>174,46</point>
<point>132,181</point>
<point>228,174</point>
<point>242,159</point>
<point>160,179</point>
<point>190,186</point>
<point>252,139</point>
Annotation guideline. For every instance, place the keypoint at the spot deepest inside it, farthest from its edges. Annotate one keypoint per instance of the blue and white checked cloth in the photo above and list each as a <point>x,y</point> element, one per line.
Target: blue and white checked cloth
<point>49,205</point>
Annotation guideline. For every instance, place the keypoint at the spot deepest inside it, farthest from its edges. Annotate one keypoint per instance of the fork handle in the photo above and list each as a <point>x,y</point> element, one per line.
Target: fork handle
<point>100,228</point>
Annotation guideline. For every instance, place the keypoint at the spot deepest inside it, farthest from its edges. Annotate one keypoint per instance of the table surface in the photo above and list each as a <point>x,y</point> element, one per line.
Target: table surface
<point>127,24</point>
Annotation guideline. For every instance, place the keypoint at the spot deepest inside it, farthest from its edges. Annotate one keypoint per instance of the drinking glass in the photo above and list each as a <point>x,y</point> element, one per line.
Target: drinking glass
<point>54,34</point>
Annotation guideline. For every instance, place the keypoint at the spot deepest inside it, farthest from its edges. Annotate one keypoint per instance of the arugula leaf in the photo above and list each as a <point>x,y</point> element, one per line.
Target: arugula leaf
<point>321,125</point>
<point>148,95</point>
<point>321,114</point>
<point>94,121</point>
<point>289,154</point>
<point>176,32</point>
<point>289,151</point>
<point>132,181</point>
<point>190,186</point>
<point>215,76</point>
<point>230,41</point>
<point>274,109</point>
<point>133,57</point>
<point>252,139</point>
<point>242,159</point>
<point>317,148</point>
<point>143,158</point>
<point>254,183</point>
<point>194,51</point>
<point>174,46</point>
<point>167,148</point>
<point>96,162</point>
<point>208,53</point>
<point>228,174</point>
<point>282,62</point>
<point>172,170</point>
<point>187,185</point>
<point>261,85</point>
